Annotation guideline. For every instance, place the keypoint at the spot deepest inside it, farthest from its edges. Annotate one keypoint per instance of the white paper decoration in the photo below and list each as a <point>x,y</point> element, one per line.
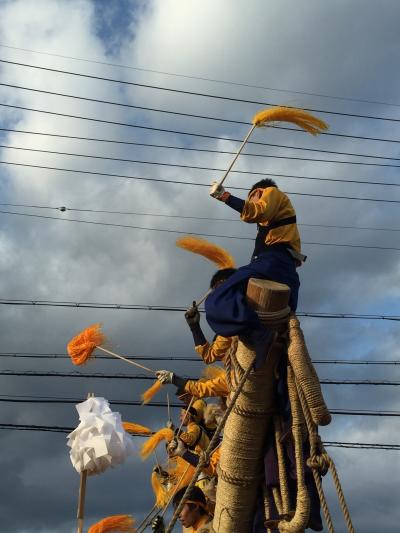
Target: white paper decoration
<point>100,441</point>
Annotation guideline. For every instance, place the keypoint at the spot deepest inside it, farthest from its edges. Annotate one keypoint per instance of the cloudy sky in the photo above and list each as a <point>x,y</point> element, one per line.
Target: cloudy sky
<point>335,56</point>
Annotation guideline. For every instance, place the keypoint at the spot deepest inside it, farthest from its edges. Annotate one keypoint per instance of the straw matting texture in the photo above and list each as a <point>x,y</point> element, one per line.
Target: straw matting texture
<point>305,373</point>
<point>241,464</point>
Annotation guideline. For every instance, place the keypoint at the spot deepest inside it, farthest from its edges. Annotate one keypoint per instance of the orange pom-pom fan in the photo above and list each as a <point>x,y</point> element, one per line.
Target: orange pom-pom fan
<point>151,392</point>
<point>117,523</point>
<point>301,118</point>
<point>210,251</point>
<point>160,492</point>
<point>131,427</point>
<point>152,442</point>
<point>81,347</point>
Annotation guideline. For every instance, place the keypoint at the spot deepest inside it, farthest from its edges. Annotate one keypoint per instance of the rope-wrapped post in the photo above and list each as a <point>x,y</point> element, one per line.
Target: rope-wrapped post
<point>241,466</point>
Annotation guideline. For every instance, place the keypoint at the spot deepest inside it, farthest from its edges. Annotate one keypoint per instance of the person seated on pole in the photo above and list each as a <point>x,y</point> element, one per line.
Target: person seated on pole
<point>276,255</point>
<point>194,514</point>
<point>217,350</point>
<point>195,437</point>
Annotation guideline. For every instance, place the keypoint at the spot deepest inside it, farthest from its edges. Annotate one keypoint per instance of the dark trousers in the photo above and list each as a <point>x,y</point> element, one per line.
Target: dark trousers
<point>227,310</point>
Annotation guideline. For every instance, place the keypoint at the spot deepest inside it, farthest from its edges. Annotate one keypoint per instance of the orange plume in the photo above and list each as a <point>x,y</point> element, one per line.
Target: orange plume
<point>131,427</point>
<point>179,468</point>
<point>82,346</point>
<point>152,442</point>
<point>301,118</point>
<point>160,492</point>
<point>117,523</point>
<point>210,251</point>
<point>152,391</point>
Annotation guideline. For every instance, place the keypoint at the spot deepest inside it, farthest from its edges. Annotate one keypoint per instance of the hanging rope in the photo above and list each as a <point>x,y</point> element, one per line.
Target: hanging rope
<point>320,462</point>
<point>204,457</point>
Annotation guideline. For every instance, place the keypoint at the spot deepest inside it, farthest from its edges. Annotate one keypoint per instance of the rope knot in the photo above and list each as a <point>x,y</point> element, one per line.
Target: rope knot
<point>320,463</point>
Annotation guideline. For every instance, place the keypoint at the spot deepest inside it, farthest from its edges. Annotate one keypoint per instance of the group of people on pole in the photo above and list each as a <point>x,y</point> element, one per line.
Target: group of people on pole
<point>276,257</point>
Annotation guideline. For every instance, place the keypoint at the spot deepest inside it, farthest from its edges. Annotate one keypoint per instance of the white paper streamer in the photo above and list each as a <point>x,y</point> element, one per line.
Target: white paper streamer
<point>100,441</point>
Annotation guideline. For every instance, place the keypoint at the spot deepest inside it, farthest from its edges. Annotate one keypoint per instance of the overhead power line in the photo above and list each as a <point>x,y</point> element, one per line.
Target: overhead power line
<point>36,355</point>
<point>189,93</point>
<point>177,165</point>
<point>110,224</point>
<point>207,150</point>
<point>66,401</point>
<point>176,132</point>
<point>101,375</point>
<point>63,429</point>
<point>182,217</point>
<point>201,78</point>
<point>197,184</point>
<point>180,309</point>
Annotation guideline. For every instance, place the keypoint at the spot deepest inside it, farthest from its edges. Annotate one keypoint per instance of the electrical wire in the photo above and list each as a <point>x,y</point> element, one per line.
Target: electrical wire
<point>201,78</point>
<point>63,429</point>
<point>182,217</point>
<point>101,375</point>
<point>189,93</point>
<point>35,355</point>
<point>110,224</point>
<point>207,150</point>
<point>157,163</point>
<point>197,184</point>
<point>202,135</point>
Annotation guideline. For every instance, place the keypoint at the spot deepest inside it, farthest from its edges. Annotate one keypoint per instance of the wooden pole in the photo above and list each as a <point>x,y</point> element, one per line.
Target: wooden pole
<point>82,493</point>
<point>125,359</point>
<point>237,154</point>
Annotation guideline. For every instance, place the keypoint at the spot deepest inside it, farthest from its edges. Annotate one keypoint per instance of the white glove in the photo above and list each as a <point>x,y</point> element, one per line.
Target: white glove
<point>216,190</point>
<point>176,447</point>
<point>164,376</point>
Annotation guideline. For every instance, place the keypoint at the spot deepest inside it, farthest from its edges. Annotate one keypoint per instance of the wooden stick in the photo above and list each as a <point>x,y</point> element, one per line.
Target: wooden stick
<point>176,489</point>
<point>125,359</point>
<point>82,493</point>
<point>169,409</point>
<point>143,523</point>
<point>81,501</point>
<point>187,410</point>
<point>199,302</point>
<point>237,155</point>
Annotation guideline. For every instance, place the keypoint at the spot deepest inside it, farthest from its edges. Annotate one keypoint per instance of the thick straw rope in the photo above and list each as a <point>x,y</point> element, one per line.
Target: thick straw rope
<point>319,463</point>
<point>204,457</point>
<point>241,466</point>
<point>283,482</point>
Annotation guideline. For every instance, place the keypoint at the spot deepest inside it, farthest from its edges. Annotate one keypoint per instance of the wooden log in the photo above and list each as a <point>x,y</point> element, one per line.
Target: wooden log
<point>241,467</point>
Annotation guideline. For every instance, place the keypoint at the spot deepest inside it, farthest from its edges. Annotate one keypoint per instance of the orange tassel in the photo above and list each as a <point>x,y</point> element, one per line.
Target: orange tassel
<point>152,442</point>
<point>178,467</point>
<point>210,251</point>
<point>152,391</point>
<point>301,118</point>
<point>160,492</point>
<point>131,427</point>
<point>82,346</point>
<point>117,523</point>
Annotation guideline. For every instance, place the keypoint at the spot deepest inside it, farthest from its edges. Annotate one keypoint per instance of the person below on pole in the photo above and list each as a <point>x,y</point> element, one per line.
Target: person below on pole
<point>215,351</point>
<point>276,255</point>
<point>194,514</point>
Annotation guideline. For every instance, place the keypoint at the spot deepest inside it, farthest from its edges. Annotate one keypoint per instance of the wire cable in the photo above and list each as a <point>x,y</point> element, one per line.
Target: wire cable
<point>197,184</point>
<point>202,135</point>
<point>110,224</point>
<point>101,375</point>
<point>157,163</point>
<point>207,150</point>
<point>189,93</point>
<point>182,217</point>
<point>200,78</point>
<point>39,355</point>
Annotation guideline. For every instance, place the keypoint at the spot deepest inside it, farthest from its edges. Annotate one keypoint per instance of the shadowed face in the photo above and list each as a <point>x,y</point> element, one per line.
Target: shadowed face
<point>189,515</point>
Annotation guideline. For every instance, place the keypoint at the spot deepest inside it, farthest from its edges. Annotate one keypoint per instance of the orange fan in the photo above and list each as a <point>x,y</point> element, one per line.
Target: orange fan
<point>151,391</point>
<point>116,523</point>
<point>82,346</point>
<point>131,427</point>
<point>152,442</point>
